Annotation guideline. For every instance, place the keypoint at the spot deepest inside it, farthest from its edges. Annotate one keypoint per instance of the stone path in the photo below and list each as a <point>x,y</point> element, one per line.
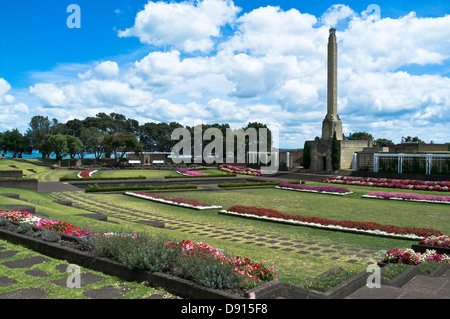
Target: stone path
<point>15,287</point>
<point>95,204</point>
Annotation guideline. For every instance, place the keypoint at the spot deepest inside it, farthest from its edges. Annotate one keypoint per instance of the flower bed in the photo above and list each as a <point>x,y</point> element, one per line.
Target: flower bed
<point>411,257</point>
<point>242,265</point>
<point>315,189</point>
<point>443,186</point>
<point>369,228</point>
<point>236,170</point>
<point>54,225</point>
<point>437,241</point>
<point>87,173</point>
<point>409,197</point>
<point>173,201</point>
<point>187,172</point>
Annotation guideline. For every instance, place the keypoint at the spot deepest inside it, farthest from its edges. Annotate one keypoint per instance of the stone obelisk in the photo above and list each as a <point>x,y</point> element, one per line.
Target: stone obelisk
<point>332,123</point>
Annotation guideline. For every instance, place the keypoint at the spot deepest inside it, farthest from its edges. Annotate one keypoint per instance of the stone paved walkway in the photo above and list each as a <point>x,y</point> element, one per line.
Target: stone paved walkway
<point>92,285</point>
<point>336,252</point>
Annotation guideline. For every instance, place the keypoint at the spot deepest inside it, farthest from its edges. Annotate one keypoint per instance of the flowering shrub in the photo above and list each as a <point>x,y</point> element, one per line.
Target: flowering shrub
<point>176,201</point>
<point>33,220</point>
<point>184,171</point>
<point>317,189</point>
<point>87,173</point>
<point>335,224</point>
<point>410,197</point>
<point>236,170</point>
<point>243,266</point>
<point>439,241</point>
<point>442,186</point>
<point>410,257</point>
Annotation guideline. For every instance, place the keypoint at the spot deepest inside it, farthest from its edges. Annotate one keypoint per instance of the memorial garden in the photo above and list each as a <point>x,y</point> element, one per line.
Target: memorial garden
<point>268,229</point>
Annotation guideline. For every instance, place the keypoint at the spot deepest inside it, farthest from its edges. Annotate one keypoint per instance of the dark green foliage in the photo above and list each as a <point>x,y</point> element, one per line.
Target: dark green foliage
<point>335,153</point>
<point>50,236</point>
<point>96,188</point>
<point>23,228</point>
<point>225,185</point>
<point>210,272</point>
<point>306,155</point>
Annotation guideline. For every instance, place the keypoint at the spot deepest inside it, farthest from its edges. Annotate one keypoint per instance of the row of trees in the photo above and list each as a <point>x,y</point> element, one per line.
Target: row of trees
<point>102,136</point>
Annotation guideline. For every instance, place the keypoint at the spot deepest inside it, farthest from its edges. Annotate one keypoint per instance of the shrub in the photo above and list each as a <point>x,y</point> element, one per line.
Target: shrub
<point>23,228</point>
<point>4,222</point>
<point>210,272</point>
<point>50,236</point>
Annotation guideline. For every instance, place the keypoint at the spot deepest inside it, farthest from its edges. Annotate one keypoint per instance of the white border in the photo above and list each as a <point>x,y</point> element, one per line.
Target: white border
<point>313,191</point>
<point>90,174</point>
<point>407,200</point>
<point>172,203</point>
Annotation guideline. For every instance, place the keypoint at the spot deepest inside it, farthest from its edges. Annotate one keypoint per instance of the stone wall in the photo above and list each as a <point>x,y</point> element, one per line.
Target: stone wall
<point>28,184</point>
<point>348,148</point>
<point>11,174</point>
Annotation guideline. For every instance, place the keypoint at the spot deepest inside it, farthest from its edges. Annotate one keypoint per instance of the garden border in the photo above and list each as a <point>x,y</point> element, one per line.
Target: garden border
<point>317,226</point>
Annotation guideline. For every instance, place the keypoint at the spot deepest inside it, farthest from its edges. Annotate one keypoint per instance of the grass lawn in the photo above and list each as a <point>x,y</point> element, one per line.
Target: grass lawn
<point>293,267</point>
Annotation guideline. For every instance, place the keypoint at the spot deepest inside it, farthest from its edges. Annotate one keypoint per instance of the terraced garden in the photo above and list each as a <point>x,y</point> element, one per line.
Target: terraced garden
<point>299,253</point>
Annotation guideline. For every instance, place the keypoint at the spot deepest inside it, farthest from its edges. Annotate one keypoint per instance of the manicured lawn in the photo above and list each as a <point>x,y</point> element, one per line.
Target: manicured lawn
<point>293,267</point>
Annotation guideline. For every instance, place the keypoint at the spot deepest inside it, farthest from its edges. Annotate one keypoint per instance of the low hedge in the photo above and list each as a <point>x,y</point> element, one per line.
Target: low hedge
<point>95,188</point>
<point>209,175</point>
<point>226,185</point>
<point>66,178</point>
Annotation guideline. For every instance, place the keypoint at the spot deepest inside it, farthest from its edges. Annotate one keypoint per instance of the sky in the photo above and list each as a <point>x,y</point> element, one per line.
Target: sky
<point>223,61</point>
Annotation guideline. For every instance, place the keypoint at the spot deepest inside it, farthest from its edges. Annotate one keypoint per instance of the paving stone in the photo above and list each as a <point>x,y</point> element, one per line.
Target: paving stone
<point>6,281</point>
<point>86,278</point>
<point>31,293</point>
<point>303,252</point>
<point>352,261</point>
<point>25,262</point>
<point>8,254</point>
<point>329,251</point>
<point>37,273</point>
<point>105,292</point>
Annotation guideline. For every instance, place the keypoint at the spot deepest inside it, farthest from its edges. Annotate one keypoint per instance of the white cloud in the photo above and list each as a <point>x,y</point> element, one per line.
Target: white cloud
<point>335,14</point>
<point>188,26</point>
<point>271,69</point>
<point>11,113</point>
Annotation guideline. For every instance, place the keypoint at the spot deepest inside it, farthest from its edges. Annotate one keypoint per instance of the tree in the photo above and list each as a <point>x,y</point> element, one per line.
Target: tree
<point>58,144</point>
<point>335,153</point>
<point>16,143</point>
<point>74,146</point>
<point>93,140</point>
<point>306,155</point>
<point>122,143</point>
<point>383,142</point>
<point>39,128</point>
<point>362,136</point>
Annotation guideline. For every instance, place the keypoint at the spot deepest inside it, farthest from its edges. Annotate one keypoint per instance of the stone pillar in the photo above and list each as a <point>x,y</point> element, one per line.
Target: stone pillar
<point>332,122</point>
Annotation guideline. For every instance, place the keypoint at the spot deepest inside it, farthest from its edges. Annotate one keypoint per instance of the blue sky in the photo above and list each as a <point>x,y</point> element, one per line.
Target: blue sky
<point>223,61</point>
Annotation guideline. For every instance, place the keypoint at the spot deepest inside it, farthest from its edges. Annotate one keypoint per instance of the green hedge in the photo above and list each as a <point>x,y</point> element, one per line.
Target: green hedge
<point>67,178</point>
<point>95,188</point>
<point>225,185</point>
<point>209,175</point>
